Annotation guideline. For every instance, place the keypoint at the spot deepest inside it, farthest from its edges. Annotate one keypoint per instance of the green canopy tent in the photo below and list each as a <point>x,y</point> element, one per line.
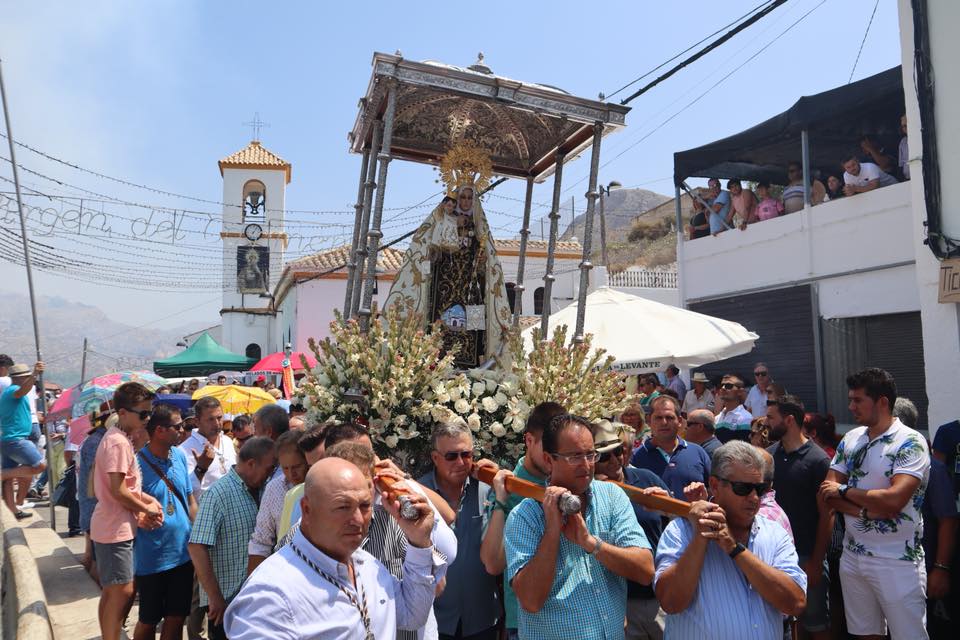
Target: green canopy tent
<point>203,357</point>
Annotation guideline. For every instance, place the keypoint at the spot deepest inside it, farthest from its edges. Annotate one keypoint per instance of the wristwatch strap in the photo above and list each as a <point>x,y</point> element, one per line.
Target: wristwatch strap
<point>737,550</point>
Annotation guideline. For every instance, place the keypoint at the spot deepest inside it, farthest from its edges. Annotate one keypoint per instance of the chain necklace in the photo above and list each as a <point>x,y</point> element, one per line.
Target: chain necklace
<point>360,604</point>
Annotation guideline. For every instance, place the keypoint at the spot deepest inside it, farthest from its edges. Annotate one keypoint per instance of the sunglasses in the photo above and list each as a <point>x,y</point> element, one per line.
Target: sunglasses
<point>743,489</point>
<point>760,373</point>
<point>451,456</point>
<point>690,423</point>
<point>605,456</point>
<point>143,415</point>
<point>730,385</point>
<point>177,426</point>
<point>773,403</point>
<point>242,440</point>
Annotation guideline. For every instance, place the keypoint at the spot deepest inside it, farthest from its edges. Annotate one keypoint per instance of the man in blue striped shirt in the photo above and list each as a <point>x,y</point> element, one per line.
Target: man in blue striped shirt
<point>722,572</point>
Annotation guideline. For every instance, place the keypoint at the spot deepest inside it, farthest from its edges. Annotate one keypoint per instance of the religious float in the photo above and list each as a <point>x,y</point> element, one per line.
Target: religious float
<point>446,345</point>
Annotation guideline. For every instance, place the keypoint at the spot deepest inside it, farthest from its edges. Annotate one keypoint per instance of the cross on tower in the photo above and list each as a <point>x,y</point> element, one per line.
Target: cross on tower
<point>255,125</point>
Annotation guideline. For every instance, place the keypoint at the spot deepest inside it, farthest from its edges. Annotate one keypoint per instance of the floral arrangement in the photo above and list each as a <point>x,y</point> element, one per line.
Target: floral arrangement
<point>492,405</point>
<point>397,381</point>
<point>385,379</point>
<point>577,376</point>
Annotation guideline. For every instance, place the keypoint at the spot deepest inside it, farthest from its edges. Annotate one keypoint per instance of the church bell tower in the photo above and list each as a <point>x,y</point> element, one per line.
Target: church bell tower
<point>254,239</point>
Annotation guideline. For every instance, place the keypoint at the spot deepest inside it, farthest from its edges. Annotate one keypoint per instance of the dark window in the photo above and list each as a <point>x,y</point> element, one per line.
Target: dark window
<point>538,301</point>
<point>253,351</point>
<point>512,296</point>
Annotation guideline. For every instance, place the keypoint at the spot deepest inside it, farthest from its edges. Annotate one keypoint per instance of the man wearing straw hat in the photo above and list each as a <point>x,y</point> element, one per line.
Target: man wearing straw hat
<point>22,460</point>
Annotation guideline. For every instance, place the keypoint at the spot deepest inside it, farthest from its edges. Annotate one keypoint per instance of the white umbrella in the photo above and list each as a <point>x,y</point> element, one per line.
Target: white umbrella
<point>646,336</point>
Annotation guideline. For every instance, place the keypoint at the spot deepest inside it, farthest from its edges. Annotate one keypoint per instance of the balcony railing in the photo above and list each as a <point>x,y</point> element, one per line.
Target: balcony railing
<point>645,278</point>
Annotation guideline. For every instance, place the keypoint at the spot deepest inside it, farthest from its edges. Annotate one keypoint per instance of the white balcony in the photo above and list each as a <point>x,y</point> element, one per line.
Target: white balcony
<point>868,232</point>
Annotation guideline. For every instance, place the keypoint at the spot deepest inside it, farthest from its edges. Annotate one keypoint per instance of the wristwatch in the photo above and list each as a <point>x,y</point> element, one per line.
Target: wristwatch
<point>843,490</point>
<point>596,548</point>
<point>737,550</point>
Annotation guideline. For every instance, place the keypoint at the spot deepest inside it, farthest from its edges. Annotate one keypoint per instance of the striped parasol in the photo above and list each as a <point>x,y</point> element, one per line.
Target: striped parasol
<point>101,388</point>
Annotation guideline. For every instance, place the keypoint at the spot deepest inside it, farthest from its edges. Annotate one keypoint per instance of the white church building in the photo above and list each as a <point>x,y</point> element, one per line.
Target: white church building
<point>269,302</point>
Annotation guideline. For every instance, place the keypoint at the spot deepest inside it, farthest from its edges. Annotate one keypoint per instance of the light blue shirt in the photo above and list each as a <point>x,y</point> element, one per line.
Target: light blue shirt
<point>725,606</point>
<point>586,600</point>
<point>718,220</point>
<point>285,599</point>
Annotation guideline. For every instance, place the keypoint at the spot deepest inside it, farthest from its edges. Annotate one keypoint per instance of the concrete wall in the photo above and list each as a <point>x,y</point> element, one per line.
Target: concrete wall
<point>663,296</point>
<point>941,322</point>
<point>869,231</point>
<point>308,308</point>
<point>565,287</point>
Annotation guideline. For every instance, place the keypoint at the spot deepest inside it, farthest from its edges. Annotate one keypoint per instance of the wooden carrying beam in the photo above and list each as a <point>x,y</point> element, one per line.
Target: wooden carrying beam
<point>529,490</point>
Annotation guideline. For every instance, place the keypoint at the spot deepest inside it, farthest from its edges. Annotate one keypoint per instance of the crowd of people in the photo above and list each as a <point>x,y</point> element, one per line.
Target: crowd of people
<point>872,166</point>
<point>266,527</point>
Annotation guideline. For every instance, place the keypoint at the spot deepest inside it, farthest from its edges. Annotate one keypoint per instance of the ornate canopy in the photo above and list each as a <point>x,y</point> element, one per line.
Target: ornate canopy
<point>522,125</point>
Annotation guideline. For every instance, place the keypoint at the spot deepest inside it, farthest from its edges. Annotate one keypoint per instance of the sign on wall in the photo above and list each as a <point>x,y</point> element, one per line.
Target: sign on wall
<point>949,281</point>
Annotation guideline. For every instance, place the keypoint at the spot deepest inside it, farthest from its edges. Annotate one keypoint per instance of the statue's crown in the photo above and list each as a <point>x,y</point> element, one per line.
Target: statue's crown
<point>466,165</point>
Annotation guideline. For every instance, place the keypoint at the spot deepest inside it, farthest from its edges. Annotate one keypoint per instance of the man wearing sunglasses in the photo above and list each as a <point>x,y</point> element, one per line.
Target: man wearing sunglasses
<point>120,504</point>
<point>733,422</point>
<point>722,571</point>
<point>469,606</point>
<point>570,572</point>
<point>756,402</point>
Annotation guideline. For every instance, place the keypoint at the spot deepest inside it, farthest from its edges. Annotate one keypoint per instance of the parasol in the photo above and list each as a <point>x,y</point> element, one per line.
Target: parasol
<point>234,398</point>
<point>645,336</point>
<point>63,405</point>
<point>101,388</point>
<point>273,363</point>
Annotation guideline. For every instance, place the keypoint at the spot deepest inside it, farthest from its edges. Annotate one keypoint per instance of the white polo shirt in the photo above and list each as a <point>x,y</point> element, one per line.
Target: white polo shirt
<point>223,460</point>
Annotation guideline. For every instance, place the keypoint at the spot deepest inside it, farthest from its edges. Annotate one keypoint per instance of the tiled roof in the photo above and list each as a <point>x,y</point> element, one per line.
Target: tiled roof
<point>389,260</point>
<point>513,244</point>
<point>255,156</point>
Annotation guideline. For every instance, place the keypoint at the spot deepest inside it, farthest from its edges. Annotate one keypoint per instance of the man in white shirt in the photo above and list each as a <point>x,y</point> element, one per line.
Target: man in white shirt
<point>322,585</point>
<point>859,177</point>
<point>877,481</point>
<point>210,454</point>
<point>756,402</point>
<point>699,397</point>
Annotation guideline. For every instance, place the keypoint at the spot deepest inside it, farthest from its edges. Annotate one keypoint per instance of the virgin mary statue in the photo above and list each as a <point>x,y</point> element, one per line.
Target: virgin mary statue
<point>451,273</point>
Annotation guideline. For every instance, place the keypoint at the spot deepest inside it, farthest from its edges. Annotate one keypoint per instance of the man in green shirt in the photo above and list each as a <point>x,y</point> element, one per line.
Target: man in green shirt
<point>529,468</point>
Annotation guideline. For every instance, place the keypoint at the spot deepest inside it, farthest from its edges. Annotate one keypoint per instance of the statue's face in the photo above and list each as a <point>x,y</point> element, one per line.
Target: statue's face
<point>465,199</point>
<point>448,206</point>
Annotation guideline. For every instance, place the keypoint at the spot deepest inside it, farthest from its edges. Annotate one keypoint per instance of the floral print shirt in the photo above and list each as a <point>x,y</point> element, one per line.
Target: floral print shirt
<point>870,464</point>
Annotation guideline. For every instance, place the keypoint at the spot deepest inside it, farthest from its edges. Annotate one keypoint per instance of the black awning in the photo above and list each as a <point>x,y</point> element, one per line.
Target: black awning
<point>835,121</point>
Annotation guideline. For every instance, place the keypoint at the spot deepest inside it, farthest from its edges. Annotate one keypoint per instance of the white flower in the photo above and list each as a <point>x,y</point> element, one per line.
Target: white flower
<point>391,442</point>
<point>517,426</point>
<point>498,430</point>
<point>462,406</point>
<point>473,421</point>
<point>443,398</point>
<point>500,398</point>
<point>489,404</point>
<point>478,388</point>
<point>400,420</point>
<point>491,385</point>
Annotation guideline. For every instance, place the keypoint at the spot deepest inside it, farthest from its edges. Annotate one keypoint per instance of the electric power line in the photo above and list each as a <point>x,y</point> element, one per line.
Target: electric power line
<point>869,23</point>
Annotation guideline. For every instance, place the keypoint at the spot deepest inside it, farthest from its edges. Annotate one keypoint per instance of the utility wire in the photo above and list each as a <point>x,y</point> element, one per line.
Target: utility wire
<point>690,48</point>
<point>869,23</point>
<point>702,52</point>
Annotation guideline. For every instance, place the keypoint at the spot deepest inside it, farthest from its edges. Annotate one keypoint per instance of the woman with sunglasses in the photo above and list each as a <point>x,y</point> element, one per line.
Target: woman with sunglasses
<point>705,594</point>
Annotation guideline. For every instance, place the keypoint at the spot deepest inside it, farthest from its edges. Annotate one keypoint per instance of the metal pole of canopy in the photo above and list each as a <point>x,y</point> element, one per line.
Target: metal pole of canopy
<point>680,248</point>
<point>518,288</point>
<point>368,188</point>
<point>586,264</point>
<point>374,235</point>
<point>805,153</point>
<point>548,277</point>
<point>358,212</point>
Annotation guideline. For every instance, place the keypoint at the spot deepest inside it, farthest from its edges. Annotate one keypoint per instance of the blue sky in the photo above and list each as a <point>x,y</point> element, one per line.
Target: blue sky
<point>157,92</point>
